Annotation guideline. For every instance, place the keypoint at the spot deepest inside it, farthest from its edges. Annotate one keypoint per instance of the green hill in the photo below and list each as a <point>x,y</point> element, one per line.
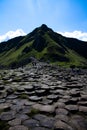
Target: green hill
<point>45,45</point>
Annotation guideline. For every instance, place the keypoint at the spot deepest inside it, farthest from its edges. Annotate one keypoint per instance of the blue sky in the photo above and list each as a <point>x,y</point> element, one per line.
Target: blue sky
<point>61,15</point>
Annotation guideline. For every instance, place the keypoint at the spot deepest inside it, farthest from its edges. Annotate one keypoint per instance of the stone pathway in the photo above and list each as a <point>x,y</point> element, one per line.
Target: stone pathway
<point>43,98</point>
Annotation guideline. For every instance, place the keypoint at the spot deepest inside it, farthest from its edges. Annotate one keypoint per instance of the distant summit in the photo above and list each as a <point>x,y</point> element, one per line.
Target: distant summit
<point>44,45</point>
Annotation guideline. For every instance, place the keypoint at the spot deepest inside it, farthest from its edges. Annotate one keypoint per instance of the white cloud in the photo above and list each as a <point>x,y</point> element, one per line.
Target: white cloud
<point>12,34</point>
<point>75,34</point>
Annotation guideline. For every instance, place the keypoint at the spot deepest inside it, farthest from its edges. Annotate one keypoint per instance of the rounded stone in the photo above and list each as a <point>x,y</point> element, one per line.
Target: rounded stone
<point>35,98</point>
<point>72,108</point>
<point>61,111</point>
<point>31,123</point>
<point>60,125</point>
<point>15,122</point>
<point>83,109</point>
<point>47,122</point>
<point>78,122</point>
<point>18,127</point>
<point>7,115</point>
<point>40,128</point>
<point>5,106</point>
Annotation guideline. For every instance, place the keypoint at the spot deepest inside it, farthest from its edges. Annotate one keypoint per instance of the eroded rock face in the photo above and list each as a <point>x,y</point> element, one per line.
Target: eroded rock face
<point>43,98</point>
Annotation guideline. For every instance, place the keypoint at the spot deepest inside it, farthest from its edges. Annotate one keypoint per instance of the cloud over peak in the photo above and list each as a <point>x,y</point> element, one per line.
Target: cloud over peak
<point>12,34</point>
<point>75,34</point>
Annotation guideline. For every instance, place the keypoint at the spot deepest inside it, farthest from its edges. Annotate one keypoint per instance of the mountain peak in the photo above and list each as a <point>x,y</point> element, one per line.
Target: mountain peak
<point>44,27</point>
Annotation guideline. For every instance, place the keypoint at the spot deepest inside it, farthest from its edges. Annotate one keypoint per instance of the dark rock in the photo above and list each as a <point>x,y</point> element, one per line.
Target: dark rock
<point>53,97</point>
<point>45,108</point>
<point>19,90</point>
<point>47,102</point>
<point>15,122</point>
<point>72,108</point>
<point>35,98</point>
<point>82,103</point>
<point>2,87</point>
<point>39,117</point>
<point>61,111</point>
<point>5,106</point>
<point>47,122</point>
<point>62,118</point>
<point>9,91</point>
<point>83,109</point>
<point>31,123</point>
<point>18,127</point>
<point>78,122</point>
<point>40,92</point>
<point>40,128</point>
<point>60,125</point>
<point>29,88</point>
<point>84,97</point>
<point>7,115</point>
<point>21,116</point>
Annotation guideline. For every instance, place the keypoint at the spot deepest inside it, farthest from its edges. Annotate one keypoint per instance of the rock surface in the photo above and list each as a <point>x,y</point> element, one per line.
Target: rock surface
<point>43,97</point>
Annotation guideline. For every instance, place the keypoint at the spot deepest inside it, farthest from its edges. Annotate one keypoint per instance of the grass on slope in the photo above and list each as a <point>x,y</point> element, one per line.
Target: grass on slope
<point>11,56</point>
<point>74,58</point>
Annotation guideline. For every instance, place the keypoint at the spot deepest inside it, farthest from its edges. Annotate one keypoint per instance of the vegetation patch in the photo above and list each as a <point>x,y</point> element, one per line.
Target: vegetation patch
<point>4,125</point>
<point>33,112</point>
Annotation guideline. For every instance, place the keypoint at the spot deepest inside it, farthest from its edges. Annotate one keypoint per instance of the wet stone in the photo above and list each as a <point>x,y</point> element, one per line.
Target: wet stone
<point>74,93</point>
<point>78,122</point>
<point>25,110</point>
<point>72,108</point>
<point>35,98</point>
<point>2,101</point>
<point>45,87</point>
<point>17,108</point>
<point>12,97</point>
<point>15,122</point>
<point>9,91</point>
<point>47,122</point>
<point>6,116</point>
<point>60,104</point>
<point>83,109</point>
<point>62,117</point>
<point>58,91</point>
<point>29,88</point>
<point>29,103</point>
<point>61,111</point>
<point>18,127</point>
<point>46,102</point>
<point>31,123</point>
<point>20,90</point>
<point>82,103</point>
<point>53,97</point>
<point>5,106</point>
<point>40,128</point>
<point>40,117</point>
<point>84,97</point>
<point>60,125</point>
<point>40,92</point>
<point>22,117</point>
<point>31,93</point>
<point>74,86</point>
<point>44,108</point>
<point>72,101</point>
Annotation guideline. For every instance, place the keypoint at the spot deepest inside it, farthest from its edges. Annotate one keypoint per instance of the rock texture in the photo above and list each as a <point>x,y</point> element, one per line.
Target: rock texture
<point>43,97</point>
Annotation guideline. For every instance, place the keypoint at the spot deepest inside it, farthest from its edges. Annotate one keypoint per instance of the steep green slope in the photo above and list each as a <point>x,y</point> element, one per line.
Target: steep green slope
<point>45,45</point>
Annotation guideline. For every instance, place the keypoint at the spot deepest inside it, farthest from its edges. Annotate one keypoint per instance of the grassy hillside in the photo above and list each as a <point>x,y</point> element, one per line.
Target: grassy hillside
<point>45,45</point>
